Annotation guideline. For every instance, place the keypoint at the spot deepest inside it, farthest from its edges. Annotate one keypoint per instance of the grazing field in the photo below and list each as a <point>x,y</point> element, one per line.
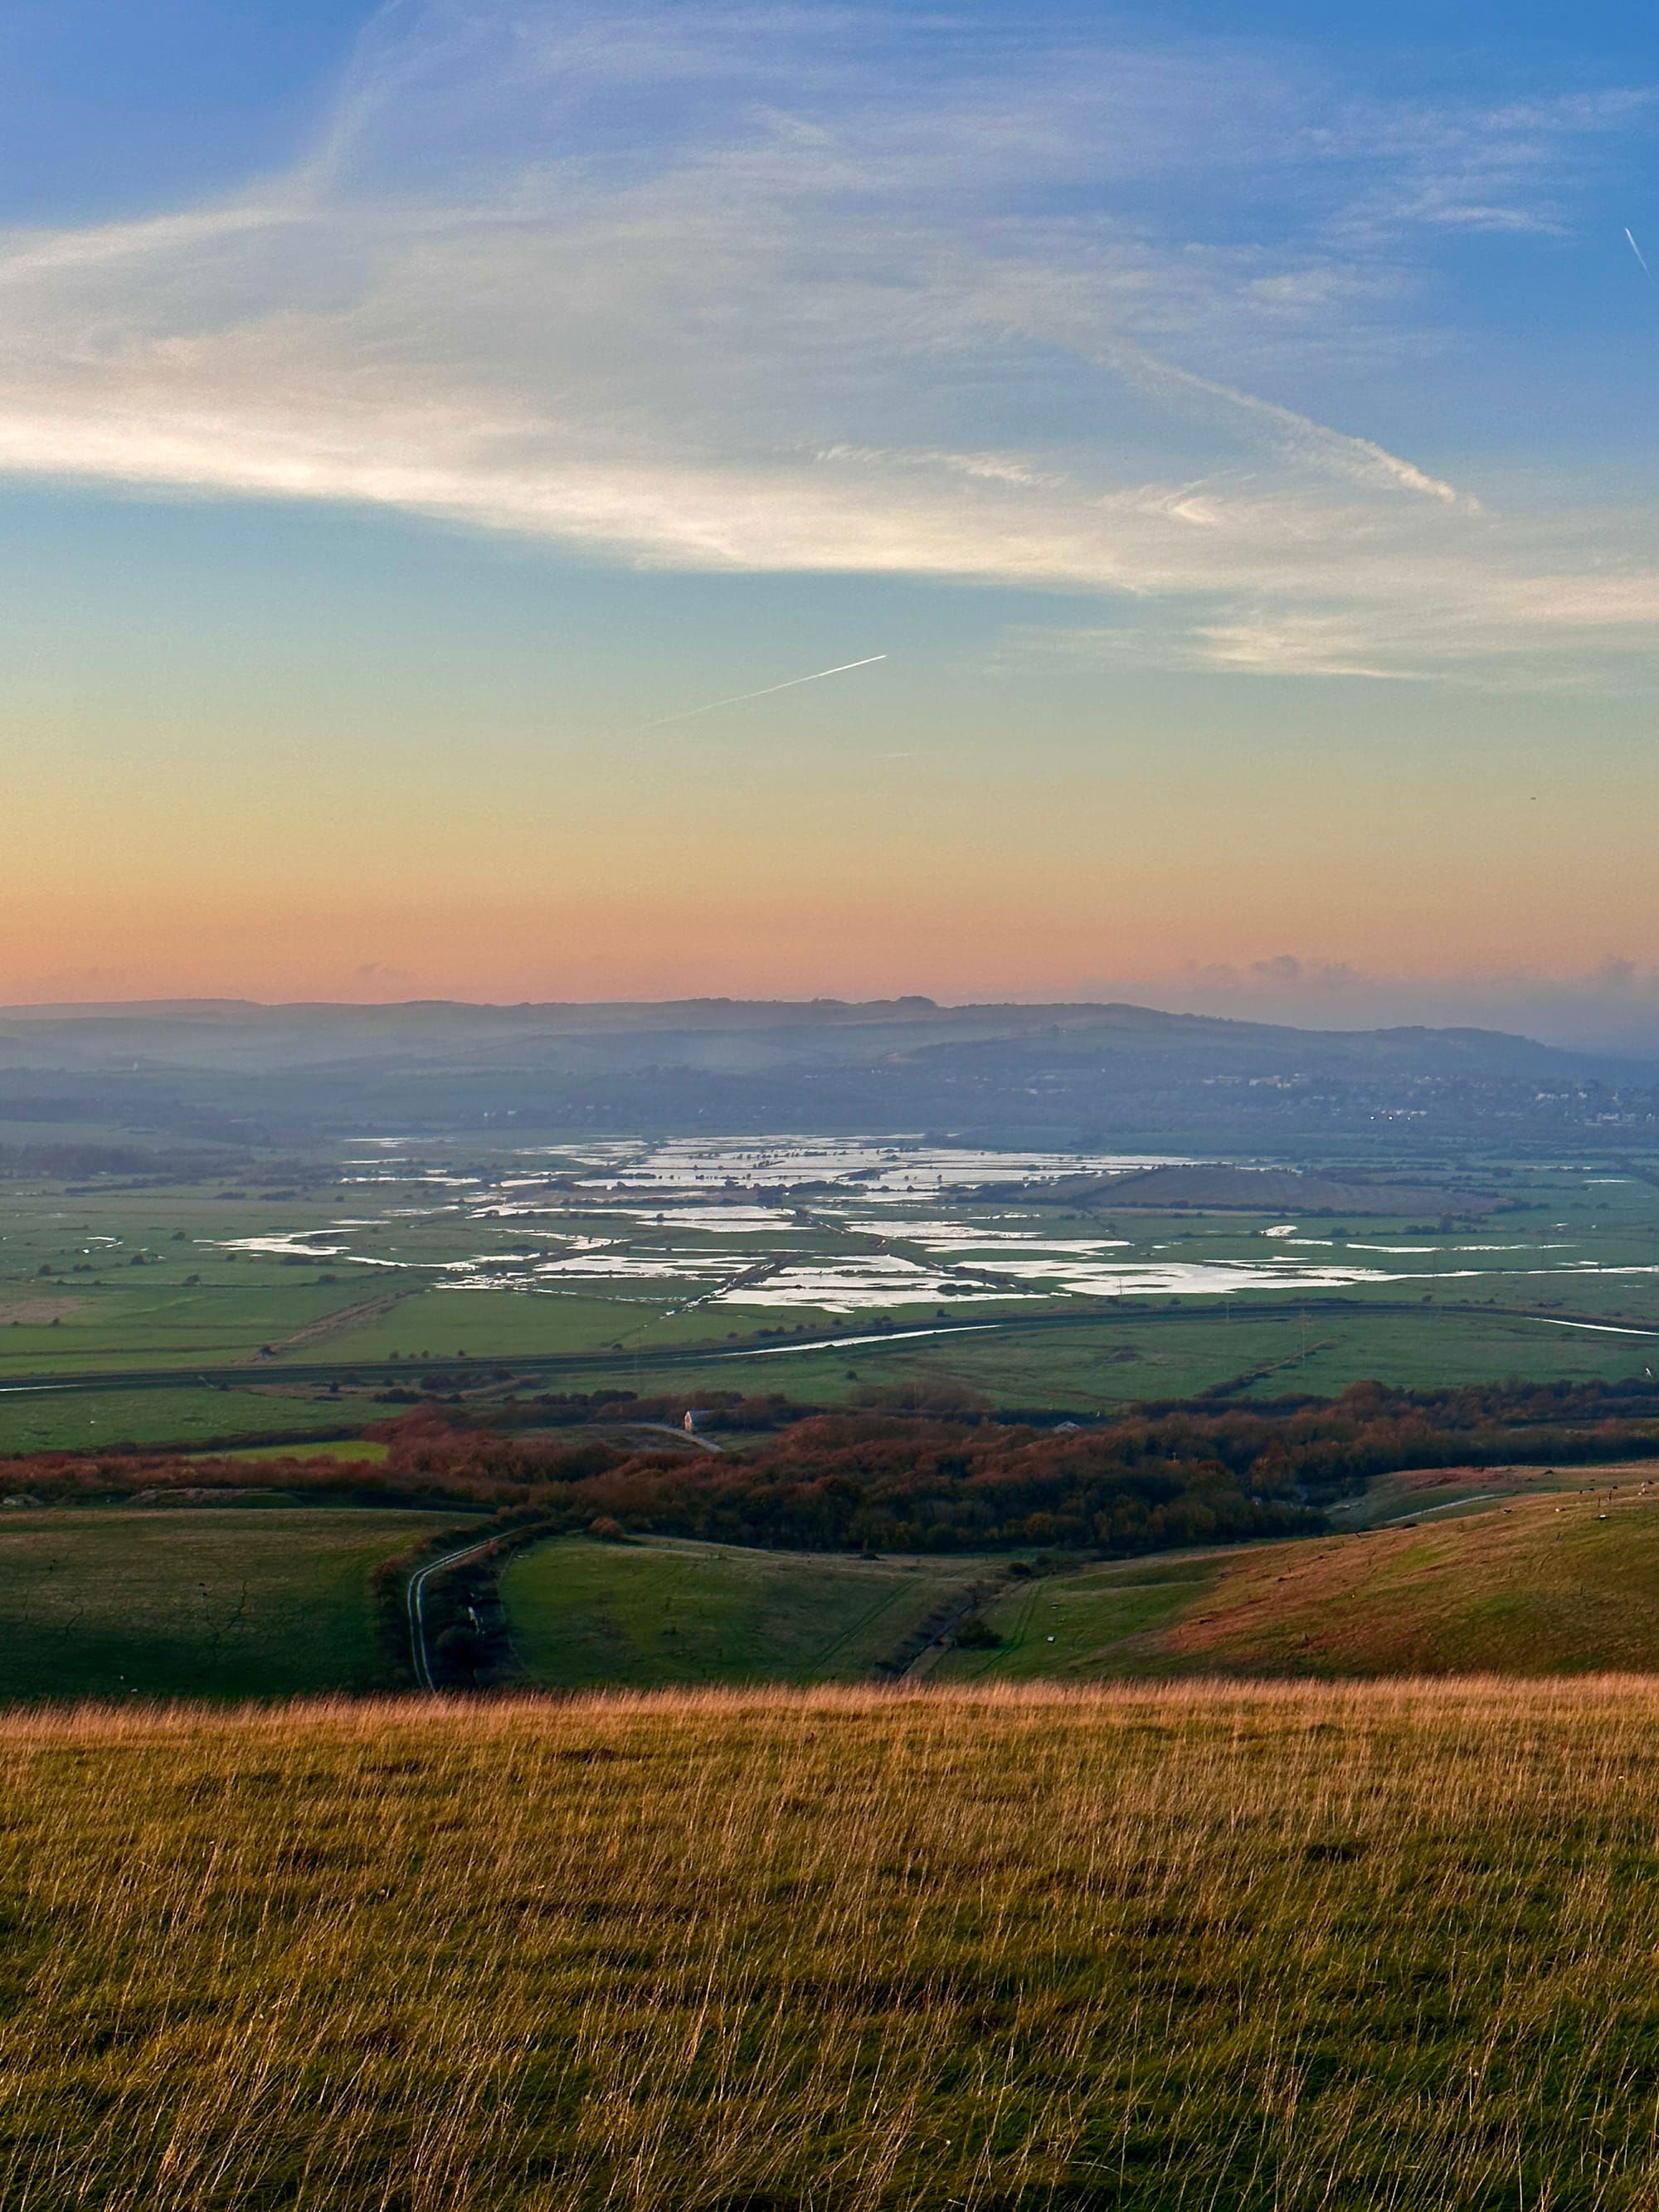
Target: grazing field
<point>1544,1585</point>
<point>1096,1622</point>
<point>1559,1578</point>
<point>439,1257</point>
<point>1272,1949</point>
<point>1092,1365</point>
<point>217,1601</point>
<point>583,1615</point>
<point>44,1422</point>
<point>1103,1363</point>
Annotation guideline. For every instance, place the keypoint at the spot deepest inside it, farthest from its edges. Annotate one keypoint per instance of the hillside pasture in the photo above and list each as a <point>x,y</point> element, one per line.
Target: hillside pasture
<point>203,1601</point>
<point>1096,1623</point>
<point>584,1616</point>
<point>1550,1583</point>
<point>1276,1948</point>
<point>1522,1571</point>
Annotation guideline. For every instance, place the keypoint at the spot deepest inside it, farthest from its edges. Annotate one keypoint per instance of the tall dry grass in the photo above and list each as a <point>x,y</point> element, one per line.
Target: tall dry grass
<point>1212,1947</point>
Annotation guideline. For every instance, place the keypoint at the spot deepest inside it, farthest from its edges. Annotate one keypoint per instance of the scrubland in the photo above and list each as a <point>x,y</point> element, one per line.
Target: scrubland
<point>1287,1946</point>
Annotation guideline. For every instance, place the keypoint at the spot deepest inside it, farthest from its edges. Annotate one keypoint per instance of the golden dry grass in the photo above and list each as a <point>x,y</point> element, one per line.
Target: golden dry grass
<point>1563,1582</point>
<point>1287,1947</point>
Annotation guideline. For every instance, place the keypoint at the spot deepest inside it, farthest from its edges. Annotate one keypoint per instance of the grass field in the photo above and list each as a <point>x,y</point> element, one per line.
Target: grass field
<point>1545,1585</point>
<point>1097,1622</point>
<point>198,1602</point>
<point>1097,1367</point>
<point>1109,1363</point>
<point>1548,1576</point>
<point>338,1268</point>
<point>185,1416</point>
<point>1269,1949</point>
<point>585,1614</point>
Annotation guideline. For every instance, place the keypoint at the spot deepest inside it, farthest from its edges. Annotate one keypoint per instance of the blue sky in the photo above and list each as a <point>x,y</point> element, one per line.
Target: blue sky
<point>1192,402</point>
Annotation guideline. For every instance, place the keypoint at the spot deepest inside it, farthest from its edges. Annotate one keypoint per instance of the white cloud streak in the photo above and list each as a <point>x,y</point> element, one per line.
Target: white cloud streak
<point>766,692</point>
<point>812,290</point>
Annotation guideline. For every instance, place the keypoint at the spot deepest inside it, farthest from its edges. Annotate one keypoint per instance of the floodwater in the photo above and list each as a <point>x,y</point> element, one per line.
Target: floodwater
<point>841,1227</point>
<point>878,1170</point>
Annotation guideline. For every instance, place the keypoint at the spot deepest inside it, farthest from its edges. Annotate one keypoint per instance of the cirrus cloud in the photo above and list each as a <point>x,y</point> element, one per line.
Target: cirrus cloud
<point>821,291</point>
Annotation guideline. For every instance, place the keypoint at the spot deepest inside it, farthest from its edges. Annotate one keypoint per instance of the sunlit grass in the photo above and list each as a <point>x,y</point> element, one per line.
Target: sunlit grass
<point>1288,1947</point>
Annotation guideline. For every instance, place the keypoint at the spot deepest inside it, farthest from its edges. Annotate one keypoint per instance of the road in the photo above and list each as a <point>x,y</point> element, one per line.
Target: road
<point>415,1601</point>
<point>552,1366</point>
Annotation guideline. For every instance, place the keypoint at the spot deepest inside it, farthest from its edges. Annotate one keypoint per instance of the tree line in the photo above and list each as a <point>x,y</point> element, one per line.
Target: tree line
<point>897,1476</point>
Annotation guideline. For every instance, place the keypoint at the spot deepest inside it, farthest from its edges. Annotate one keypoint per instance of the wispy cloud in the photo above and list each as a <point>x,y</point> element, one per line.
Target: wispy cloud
<point>813,290</point>
<point>1503,170</point>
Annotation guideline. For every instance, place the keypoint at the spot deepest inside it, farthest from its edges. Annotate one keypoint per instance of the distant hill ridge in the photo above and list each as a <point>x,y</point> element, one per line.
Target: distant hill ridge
<point>1077,1078</point>
<point>913,1031</point>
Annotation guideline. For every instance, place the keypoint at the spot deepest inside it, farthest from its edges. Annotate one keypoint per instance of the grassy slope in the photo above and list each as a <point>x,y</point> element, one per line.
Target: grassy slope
<point>217,1602</point>
<point>584,1614</point>
<point>1099,1621</point>
<point>1541,1584</point>
<point>1290,1947</point>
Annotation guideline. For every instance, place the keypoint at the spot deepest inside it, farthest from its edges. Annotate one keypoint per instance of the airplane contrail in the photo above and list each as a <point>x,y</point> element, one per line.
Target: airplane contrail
<point>1640,255</point>
<point>766,690</point>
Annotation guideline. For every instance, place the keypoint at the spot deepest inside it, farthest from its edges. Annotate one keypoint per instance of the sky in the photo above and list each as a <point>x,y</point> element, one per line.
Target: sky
<point>1233,426</point>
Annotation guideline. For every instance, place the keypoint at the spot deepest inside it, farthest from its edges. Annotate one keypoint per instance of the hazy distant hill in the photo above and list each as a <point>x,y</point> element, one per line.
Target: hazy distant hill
<point>1070,1074</point>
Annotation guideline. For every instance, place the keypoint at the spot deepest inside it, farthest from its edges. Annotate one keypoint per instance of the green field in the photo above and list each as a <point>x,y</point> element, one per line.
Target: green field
<point>1103,1365</point>
<point>162,1280</point>
<point>1271,1949</point>
<point>193,1602</point>
<point>182,1416</point>
<point>583,1615</point>
<point>1095,1367</point>
<point>1097,1623</point>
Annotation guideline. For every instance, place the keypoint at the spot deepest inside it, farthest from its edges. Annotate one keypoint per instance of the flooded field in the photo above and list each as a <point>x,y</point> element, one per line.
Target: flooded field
<point>844,1227</point>
<point>862,1261</point>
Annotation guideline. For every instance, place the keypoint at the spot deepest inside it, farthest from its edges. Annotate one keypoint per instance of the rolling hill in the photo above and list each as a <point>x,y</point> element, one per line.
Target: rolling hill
<point>1555,1582</point>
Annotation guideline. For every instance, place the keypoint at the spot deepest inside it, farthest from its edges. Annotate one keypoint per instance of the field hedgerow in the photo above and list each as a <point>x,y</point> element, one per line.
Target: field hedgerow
<point>1286,1946</point>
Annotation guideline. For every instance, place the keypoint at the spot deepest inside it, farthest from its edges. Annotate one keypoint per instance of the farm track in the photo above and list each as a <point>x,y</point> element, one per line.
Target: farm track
<point>552,1365</point>
<point>415,1603</point>
<point>334,1324</point>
